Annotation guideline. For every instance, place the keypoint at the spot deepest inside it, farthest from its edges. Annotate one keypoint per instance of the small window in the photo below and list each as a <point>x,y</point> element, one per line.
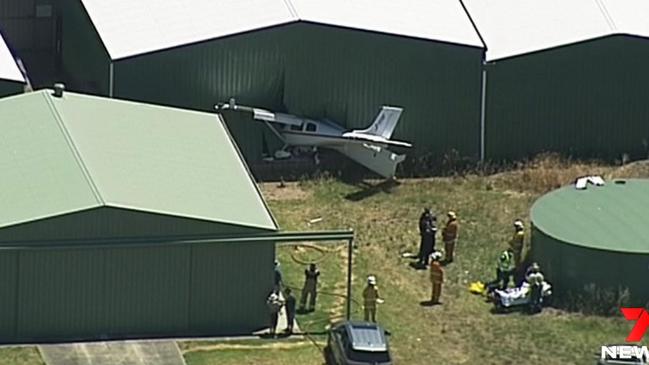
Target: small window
<point>296,127</point>
<point>310,127</point>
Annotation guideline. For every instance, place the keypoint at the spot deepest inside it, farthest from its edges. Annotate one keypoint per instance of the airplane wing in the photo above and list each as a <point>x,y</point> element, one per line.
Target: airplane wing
<point>262,114</point>
<point>378,159</point>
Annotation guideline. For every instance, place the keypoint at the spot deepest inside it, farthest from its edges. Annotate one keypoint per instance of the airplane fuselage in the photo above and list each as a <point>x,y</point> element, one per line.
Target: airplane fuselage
<point>309,132</point>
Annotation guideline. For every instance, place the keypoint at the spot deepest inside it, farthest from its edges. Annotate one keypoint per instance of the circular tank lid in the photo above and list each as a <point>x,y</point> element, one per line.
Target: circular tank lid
<point>613,217</point>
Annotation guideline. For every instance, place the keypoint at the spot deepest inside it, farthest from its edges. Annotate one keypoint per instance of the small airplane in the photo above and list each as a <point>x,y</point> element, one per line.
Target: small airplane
<point>367,147</point>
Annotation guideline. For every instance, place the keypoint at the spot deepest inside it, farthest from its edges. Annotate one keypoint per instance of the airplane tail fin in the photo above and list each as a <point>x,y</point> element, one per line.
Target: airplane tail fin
<point>384,123</point>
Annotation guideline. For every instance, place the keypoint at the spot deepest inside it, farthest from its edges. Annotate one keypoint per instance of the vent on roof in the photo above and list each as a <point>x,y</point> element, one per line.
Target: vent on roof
<point>58,89</point>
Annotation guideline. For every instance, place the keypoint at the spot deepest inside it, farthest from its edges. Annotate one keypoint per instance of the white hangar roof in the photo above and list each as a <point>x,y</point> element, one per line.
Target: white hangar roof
<point>128,28</point>
<point>516,27</point>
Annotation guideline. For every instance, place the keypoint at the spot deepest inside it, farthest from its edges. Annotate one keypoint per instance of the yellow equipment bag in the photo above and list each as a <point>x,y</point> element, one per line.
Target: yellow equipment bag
<point>477,287</point>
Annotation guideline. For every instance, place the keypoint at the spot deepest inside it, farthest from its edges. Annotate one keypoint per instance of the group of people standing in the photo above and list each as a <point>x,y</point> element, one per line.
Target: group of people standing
<point>275,302</point>
<point>428,232</point>
<point>427,252</point>
<point>509,264</point>
<point>510,269</point>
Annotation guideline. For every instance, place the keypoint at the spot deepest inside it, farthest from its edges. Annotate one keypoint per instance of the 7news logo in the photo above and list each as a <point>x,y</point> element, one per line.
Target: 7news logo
<point>631,352</point>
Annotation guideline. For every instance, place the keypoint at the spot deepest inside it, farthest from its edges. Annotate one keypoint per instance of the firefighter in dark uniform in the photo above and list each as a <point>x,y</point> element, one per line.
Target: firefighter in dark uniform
<point>310,288</point>
<point>428,229</point>
<point>289,305</point>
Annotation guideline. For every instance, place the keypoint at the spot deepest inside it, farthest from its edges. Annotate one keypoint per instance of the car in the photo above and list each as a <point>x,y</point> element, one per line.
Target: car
<point>358,343</point>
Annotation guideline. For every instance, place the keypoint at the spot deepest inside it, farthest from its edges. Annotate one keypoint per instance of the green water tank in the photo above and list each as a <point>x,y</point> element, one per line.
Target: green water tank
<point>595,239</point>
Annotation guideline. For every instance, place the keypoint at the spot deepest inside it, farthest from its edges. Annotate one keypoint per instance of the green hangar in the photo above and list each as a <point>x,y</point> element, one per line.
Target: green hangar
<point>116,223</point>
<point>565,76</point>
<point>339,59</point>
<point>11,79</point>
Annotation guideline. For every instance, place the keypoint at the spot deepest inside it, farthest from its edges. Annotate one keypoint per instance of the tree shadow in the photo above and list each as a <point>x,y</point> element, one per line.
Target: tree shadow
<point>368,190</point>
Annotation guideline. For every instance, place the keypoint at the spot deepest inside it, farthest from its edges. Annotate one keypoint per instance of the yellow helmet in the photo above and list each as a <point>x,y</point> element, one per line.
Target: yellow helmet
<point>451,214</point>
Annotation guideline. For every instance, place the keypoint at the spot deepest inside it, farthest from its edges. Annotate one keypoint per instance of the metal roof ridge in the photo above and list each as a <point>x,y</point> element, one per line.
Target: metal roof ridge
<point>245,166</point>
<point>291,8</point>
<point>607,16</point>
<point>73,148</point>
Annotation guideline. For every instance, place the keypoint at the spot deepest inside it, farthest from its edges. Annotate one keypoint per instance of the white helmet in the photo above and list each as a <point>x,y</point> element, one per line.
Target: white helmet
<point>371,280</point>
<point>518,224</point>
<point>436,256</point>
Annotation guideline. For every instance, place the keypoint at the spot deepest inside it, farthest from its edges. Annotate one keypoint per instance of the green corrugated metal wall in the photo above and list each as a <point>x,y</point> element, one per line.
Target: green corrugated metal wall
<point>115,223</point>
<point>320,71</point>
<point>60,294</point>
<point>584,100</point>
<point>347,75</point>
<point>571,268</point>
<point>248,67</point>
<point>8,88</point>
<point>84,59</point>
<point>220,301</point>
<point>131,291</point>
<point>8,293</point>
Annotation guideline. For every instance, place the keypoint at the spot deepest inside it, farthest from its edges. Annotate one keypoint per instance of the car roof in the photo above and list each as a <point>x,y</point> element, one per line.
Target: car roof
<point>366,336</point>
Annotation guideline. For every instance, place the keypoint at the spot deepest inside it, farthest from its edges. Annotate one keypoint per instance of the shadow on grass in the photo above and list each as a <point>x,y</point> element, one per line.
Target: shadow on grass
<point>429,303</point>
<point>418,266</point>
<point>368,190</point>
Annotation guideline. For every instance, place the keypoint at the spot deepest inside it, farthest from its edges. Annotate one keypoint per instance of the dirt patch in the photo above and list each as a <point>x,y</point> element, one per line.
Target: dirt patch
<point>279,192</point>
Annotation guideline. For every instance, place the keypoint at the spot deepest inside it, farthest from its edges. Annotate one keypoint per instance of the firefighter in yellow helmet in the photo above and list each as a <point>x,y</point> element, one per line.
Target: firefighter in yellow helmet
<point>436,277</point>
<point>371,298</point>
<point>517,242</point>
<point>449,236</point>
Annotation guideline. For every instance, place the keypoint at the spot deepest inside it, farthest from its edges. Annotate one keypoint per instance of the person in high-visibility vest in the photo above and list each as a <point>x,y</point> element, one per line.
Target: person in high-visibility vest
<point>371,298</point>
<point>517,242</point>
<point>436,277</point>
<point>449,236</point>
<point>535,278</point>
<point>505,269</point>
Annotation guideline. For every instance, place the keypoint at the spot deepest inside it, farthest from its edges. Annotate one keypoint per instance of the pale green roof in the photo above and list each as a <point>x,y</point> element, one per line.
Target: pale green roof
<point>612,217</point>
<point>60,155</point>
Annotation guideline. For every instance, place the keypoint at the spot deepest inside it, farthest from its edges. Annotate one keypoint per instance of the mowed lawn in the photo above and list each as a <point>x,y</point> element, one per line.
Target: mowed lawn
<point>20,356</point>
<point>463,330</point>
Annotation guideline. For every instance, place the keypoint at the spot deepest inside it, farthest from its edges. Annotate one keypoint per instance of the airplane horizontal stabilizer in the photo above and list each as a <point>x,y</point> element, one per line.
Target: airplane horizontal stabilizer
<point>355,136</point>
<point>378,159</point>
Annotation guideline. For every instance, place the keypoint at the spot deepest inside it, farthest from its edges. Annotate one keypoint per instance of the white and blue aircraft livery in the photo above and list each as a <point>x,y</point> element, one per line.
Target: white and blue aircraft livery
<point>367,147</point>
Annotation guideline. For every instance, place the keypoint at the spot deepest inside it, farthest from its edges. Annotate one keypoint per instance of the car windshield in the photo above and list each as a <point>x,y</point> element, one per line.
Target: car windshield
<point>368,357</point>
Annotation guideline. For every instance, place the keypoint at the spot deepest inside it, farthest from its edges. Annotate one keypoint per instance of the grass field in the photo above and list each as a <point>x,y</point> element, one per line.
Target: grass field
<point>20,356</point>
<point>463,330</point>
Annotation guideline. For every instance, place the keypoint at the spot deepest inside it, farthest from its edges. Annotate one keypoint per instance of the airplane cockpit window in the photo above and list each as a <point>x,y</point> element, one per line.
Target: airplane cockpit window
<point>296,127</point>
<point>310,127</point>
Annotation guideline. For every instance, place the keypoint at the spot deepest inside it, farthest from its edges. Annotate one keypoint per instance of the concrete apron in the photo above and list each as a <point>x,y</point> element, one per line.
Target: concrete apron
<point>159,352</point>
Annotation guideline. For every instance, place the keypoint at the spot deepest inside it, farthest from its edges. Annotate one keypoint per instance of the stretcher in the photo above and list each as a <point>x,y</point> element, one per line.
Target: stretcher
<point>519,296</point>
